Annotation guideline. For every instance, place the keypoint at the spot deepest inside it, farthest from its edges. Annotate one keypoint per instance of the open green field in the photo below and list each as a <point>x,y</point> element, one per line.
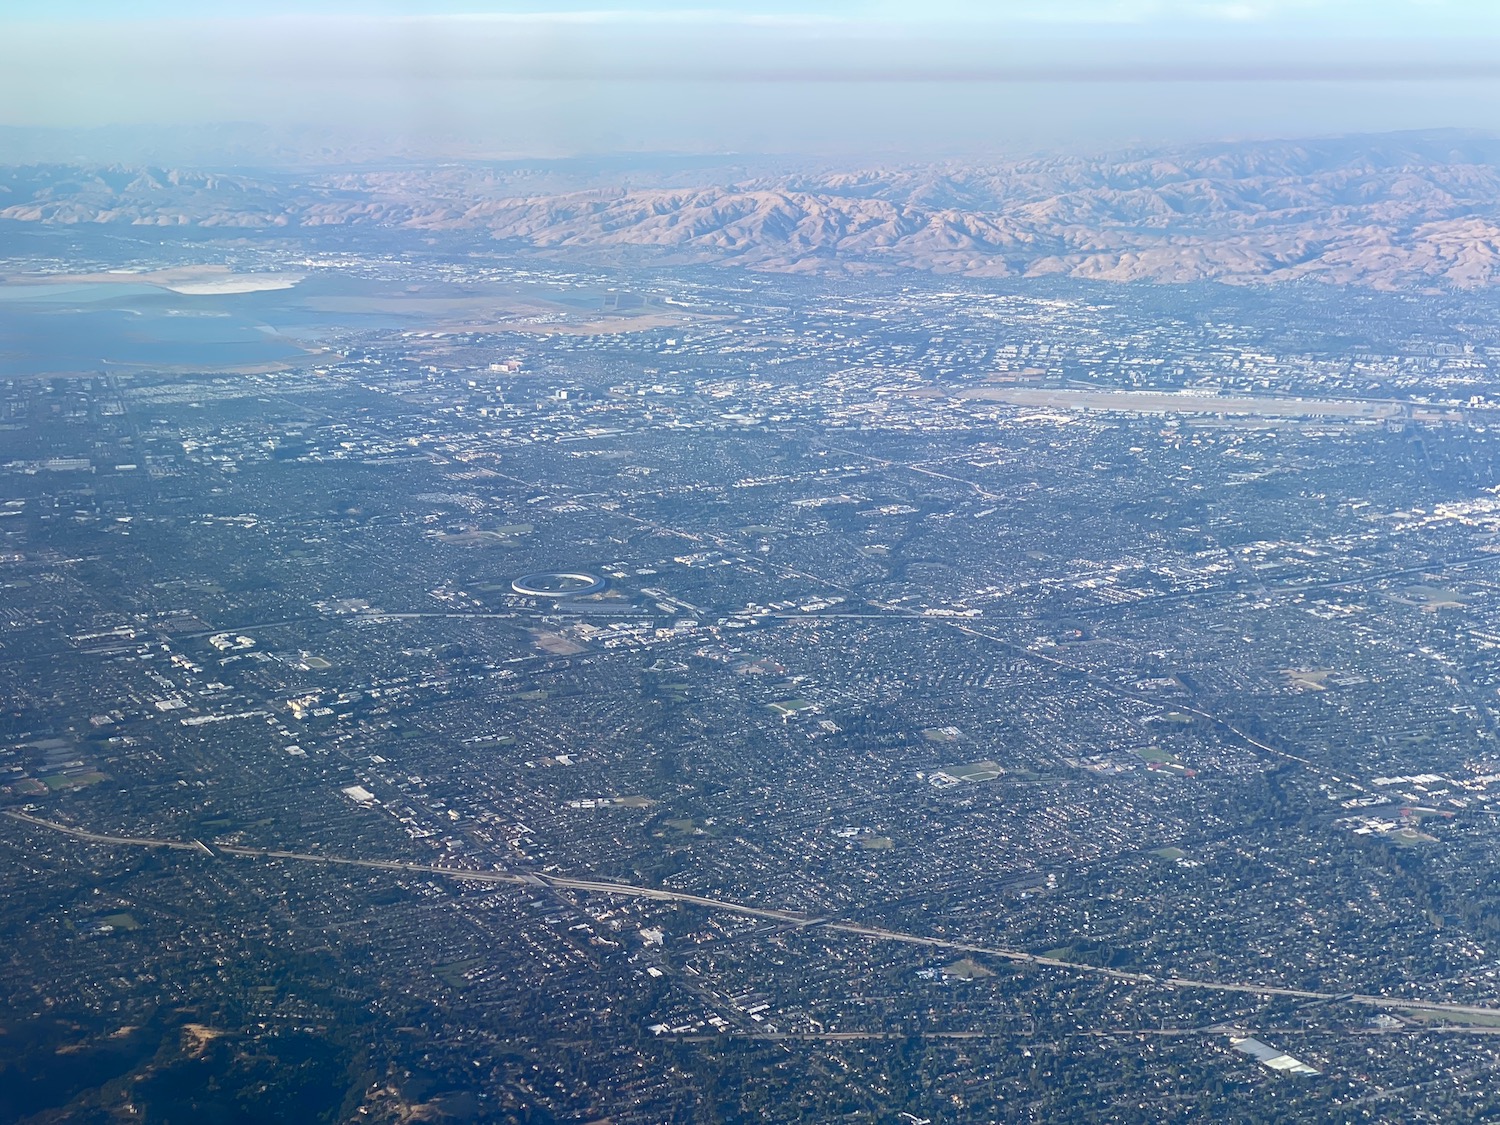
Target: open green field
<point>942,734</point>
<point>975,771</point>
<point>1451,1019</point>
<point>491,743</point>
<point>480,537</point>
<point>452,974</point>
<point>73,781</point>
<point>1435,597</point>
<point>967,968</point>
<point>686,826</point>
<point>1410,838</point>
<point>1307,679</point>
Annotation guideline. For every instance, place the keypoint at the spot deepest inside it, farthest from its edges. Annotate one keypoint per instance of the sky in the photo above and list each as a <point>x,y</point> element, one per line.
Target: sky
<point>512,78</point>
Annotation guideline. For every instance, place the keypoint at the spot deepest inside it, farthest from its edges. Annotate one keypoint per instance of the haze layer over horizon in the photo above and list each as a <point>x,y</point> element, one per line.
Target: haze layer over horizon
<point>836,78</point>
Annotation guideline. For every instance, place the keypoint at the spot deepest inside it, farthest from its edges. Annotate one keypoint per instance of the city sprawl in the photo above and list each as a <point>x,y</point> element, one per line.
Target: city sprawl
<point>643,696</point>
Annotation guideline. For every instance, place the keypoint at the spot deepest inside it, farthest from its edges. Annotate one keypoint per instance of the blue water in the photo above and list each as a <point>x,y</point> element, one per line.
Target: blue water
<point>124,325</point>
<point>75,293</point>
<point>47,329</point>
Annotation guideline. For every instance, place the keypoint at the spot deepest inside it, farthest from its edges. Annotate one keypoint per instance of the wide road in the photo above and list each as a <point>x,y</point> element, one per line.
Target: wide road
<point>789,917</point>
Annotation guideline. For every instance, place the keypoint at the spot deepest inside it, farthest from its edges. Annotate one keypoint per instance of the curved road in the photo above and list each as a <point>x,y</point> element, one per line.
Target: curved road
<point>790,917</point>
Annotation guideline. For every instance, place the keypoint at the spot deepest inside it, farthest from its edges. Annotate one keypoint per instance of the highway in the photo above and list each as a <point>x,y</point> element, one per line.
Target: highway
<point>786,917</point>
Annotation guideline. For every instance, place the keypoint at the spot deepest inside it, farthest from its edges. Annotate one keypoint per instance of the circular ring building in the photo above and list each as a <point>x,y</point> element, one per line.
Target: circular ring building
<point>558,584</point>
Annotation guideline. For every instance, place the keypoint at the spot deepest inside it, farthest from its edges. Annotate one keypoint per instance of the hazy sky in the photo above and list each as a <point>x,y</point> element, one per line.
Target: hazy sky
<point>911,77</point>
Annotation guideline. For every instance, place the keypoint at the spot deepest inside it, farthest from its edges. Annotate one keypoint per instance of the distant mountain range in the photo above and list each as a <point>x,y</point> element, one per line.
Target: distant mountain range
<point>1396,212</point>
